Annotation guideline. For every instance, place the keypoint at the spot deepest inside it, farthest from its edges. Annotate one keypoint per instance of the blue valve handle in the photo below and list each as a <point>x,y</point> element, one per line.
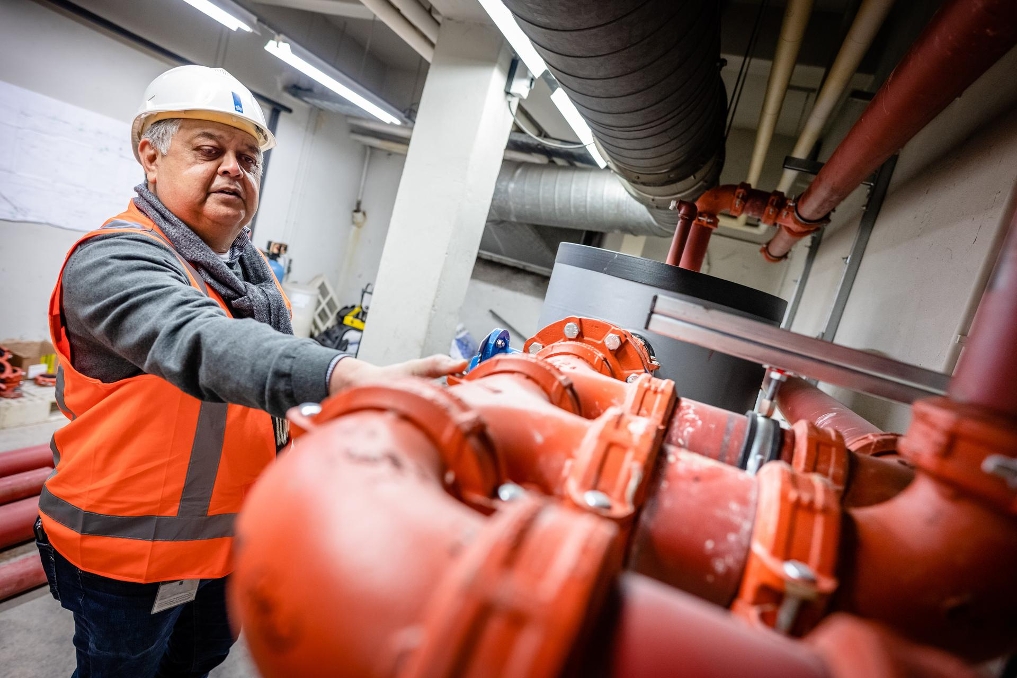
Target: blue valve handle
<point>496,343</point>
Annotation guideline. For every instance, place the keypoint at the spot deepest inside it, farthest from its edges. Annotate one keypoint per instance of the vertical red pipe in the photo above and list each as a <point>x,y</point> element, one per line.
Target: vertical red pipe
<point>987,372</point>
<point>695,248</point>
<point>961,42</point>
<point>686,215</point>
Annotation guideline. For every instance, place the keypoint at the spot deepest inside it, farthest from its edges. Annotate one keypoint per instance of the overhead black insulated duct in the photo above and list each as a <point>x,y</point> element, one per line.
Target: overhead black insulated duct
<point>645,75</point>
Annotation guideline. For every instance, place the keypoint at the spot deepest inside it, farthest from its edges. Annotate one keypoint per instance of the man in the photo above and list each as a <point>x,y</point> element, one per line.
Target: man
<point>177,364</point>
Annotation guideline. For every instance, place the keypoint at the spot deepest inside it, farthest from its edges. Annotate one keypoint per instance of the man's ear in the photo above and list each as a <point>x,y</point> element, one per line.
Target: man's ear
<point>150,157</point>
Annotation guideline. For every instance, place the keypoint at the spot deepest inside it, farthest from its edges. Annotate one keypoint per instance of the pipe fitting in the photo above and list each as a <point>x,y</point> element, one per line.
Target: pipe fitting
<point>956,443</point>
<point>456,431</point>
<point>589,340</point>
<point>790,573</point>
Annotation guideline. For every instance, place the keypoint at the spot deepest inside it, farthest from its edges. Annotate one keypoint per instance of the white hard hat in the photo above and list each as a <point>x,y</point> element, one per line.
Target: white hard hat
<point>201,93</point>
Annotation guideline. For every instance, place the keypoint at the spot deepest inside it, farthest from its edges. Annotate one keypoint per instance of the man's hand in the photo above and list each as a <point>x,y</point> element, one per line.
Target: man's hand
<point>353,372</point>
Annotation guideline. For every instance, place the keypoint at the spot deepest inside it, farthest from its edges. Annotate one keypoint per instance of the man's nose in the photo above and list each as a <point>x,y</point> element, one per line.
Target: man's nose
<point>230,166</point>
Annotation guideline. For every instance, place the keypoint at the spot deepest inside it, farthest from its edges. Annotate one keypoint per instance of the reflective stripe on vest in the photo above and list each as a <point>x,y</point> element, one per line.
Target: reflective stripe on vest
<point>87,505</point>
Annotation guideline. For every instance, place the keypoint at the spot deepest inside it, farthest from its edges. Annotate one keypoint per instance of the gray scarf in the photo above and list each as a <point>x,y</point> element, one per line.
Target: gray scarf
<point>253,296</point>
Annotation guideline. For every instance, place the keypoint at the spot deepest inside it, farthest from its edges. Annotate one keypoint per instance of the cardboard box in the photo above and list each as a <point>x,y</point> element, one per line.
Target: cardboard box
<point>28,352</point>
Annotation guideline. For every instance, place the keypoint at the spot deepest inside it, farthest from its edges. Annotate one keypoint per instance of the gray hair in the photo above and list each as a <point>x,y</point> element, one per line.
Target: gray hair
<point>161,132</point>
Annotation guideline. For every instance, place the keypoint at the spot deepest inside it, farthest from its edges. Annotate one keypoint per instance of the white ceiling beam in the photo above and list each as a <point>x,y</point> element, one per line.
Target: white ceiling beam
<point>351,9</point>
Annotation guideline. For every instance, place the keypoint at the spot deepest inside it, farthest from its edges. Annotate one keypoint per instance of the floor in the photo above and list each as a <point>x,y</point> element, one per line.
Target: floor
<point>35,632</point>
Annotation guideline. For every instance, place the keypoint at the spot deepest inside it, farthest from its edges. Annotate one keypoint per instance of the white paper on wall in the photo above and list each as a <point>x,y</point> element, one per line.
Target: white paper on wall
<point>60,164</point>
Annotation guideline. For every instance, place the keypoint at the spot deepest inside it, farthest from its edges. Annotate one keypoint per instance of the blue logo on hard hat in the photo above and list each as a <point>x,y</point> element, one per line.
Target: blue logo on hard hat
<point>237,106</point>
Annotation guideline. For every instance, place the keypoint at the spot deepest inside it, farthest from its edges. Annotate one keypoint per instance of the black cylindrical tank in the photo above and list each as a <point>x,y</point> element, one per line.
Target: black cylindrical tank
<point>619,288</point>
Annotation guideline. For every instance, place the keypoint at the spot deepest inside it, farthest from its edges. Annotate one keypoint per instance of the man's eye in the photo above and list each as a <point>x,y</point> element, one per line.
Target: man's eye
<point>208,151</point>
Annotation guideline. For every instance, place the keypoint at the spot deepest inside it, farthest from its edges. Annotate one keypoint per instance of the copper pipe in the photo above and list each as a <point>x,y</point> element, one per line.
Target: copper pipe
<point>686,215</point>
<point>25,459</point>
<point>962,41</point>
<point>16,521</point>
<point>987,373</point>
<point>21,485</point>
<point>695,249</point>
<point>21,574</point>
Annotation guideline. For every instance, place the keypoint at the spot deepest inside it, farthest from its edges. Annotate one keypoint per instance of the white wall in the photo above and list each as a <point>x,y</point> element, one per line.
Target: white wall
<point>934,242</point>
<point>310,187</point>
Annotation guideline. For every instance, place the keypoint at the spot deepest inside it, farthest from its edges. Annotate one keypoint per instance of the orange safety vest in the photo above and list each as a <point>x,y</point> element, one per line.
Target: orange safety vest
<point>148,479</point>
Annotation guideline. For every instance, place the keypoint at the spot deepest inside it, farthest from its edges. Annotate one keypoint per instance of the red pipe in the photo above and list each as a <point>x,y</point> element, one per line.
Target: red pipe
<point>658,632</point>
<point>25,459</point>
<point>987,372</point>
<point>707,430</point>
<point>686,215</point>
<point>21,485</point>
<point>695,250</point>
<point>21,574</point>
<point>962,41</point>
<point>17,520</point>
<point>936,564</point>
<point>797,399</point>
<point>684,538</point>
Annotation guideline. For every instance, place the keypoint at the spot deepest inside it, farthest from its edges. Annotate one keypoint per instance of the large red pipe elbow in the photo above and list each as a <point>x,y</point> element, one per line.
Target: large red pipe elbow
<point>938,566</point>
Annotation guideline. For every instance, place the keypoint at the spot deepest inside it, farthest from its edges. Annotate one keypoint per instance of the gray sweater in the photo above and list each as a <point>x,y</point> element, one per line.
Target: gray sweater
<point>130,309</point>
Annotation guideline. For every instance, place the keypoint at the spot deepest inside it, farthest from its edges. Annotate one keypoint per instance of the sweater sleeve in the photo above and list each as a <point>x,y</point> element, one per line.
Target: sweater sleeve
<point>128,296</point>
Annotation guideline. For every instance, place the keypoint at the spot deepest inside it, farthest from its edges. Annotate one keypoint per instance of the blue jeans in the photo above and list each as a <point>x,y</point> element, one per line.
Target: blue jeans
<point>115,633</point>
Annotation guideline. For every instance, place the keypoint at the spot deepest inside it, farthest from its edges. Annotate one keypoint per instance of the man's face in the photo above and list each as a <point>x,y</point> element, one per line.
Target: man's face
<point>209,178</point>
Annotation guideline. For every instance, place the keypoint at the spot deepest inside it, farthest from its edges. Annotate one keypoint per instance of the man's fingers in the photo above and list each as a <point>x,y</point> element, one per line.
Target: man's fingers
<point>435,366</point>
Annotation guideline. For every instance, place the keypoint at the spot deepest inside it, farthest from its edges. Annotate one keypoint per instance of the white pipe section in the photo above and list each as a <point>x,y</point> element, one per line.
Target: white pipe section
<point>401,26</point>
<point>419,17</point>
<point>863,31</point>
<point>792,31</point>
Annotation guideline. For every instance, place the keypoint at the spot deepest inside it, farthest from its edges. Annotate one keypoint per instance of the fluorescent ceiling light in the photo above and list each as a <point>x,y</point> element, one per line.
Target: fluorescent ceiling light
<point>506,23</point>
<point>219,14</point>
<point>283,50</point>
<point>578,125</point>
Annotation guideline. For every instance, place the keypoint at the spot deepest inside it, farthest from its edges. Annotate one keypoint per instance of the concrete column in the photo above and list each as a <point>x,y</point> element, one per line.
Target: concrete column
<point>443,198</point>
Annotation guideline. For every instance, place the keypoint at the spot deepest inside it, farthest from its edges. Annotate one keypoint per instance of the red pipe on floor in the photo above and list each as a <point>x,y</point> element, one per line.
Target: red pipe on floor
<point>25,459</point>
<point>21,574</point>
<point>21,485</point>
<point>987,373</point>
<point>17,520</point>
<point>962,41</point>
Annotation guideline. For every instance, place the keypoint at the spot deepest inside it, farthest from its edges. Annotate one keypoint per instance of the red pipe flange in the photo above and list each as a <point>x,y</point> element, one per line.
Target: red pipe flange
<point>552,381</point>
<point>609,349</point>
